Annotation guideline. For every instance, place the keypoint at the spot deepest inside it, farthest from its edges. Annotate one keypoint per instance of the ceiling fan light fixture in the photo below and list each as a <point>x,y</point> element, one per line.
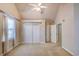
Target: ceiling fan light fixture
<point>37,9</point>
<point>43,7</point>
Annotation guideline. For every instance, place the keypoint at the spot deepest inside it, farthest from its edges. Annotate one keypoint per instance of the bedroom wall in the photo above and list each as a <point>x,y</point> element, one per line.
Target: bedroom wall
<point>1,32</point>
<point>65,16</point>
<point>76,20</point>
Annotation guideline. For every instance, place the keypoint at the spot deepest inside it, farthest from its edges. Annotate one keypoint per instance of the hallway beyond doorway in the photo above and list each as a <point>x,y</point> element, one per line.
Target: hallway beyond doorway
<point>48,49</point>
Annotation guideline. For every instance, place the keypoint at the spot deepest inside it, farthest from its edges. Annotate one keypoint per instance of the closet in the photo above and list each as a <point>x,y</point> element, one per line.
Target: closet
<point>32,32</point>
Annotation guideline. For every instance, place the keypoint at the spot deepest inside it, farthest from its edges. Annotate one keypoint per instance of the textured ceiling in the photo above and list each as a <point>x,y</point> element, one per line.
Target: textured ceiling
<point>27,13</point>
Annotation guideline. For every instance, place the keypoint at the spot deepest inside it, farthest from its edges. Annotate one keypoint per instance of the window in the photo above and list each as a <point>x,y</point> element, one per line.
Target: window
<point>11,28</point>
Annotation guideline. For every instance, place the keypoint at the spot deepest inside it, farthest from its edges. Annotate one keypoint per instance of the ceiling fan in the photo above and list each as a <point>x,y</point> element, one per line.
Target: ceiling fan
<point>38,7</point>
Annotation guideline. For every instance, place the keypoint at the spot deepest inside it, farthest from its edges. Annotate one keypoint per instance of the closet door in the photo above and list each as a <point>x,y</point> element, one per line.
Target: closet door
<point>27,31</point>
<point>36,32</point>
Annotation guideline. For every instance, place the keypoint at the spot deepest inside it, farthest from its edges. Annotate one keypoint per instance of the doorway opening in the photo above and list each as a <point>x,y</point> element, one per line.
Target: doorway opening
<point>59,34</point>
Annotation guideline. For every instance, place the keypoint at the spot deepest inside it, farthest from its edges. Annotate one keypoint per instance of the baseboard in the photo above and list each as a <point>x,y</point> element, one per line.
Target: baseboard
<point>17,44</point>
<point>32,43</point>
<point>11,49</point>
<point>72,54</point>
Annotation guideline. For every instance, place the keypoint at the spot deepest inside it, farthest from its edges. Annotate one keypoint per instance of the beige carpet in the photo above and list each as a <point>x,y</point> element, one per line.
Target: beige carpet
<point>38,50</point>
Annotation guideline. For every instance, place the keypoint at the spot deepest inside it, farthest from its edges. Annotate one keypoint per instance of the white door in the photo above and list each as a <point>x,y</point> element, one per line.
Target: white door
<point>27,31</point>
<point>36,33</point>
<point>53,33</point>
<point>31,32</point>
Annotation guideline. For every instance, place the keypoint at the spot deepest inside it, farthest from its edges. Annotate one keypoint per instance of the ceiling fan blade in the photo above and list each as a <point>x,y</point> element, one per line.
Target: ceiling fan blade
<point>33,8</point>
<point>36,9</point>
<point>43,7</point>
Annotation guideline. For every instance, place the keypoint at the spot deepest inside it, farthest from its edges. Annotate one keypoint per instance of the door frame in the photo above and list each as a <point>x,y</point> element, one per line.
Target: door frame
<point>42,24</point>
<point>59,34</point>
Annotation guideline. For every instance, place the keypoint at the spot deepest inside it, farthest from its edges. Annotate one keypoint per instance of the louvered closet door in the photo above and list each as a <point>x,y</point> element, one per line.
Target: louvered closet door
<point>27,31</point>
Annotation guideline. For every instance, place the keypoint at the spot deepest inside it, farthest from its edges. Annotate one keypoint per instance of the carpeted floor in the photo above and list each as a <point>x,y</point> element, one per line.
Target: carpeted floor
<point>38,50</point>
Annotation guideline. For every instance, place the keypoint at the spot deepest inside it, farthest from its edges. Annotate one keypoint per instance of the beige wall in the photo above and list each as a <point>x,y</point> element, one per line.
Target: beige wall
<point>76,20</point>
<point>70,27</point>
<point>10,8</point>
<point>66,17</point>
<point>18,33</point>
<point>1,33</point>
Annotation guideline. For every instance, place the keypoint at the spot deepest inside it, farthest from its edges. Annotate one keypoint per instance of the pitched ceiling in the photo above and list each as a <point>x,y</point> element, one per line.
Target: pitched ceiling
<point>27,13</point>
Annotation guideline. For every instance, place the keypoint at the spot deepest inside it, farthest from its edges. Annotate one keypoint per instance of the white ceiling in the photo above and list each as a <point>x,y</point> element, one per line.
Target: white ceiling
<point>27,13</point>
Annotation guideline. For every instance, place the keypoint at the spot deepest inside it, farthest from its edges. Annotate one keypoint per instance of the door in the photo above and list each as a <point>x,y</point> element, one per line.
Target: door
<point>36,32</point>
<point>31,32</point>
<point>53,33</point>
<point>59,34</point>
<point>27,32</point>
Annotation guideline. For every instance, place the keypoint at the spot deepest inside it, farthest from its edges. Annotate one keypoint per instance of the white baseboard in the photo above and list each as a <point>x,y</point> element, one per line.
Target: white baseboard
<point>17,44</point>
<point>68,51</point>
<point>9,49</point>
<point>32,43</point>
<point>12,48</point>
